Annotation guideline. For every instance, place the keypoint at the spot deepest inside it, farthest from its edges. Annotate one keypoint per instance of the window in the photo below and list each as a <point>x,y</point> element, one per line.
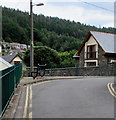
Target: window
<point>112,61</point>
<point>91,63</point>
<point>91,52</point>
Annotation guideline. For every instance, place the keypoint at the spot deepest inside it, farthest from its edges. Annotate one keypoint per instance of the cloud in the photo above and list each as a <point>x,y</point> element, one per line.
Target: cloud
<point>108,24</point>
<point>78,14</point>
<point>17,4</point>
<point>97,16</point>
<point>69,12</point>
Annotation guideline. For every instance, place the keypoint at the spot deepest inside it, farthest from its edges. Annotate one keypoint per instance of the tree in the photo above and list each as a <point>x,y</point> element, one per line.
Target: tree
<point>67,58</point>
<point>59,34</point>
<point>43,55</point>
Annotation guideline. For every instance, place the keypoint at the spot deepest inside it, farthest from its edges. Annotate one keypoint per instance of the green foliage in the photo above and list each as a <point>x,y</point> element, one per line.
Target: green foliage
<point>13,28</point>
<point>59,42</point>
<point>43,55</point>
<point>67,59</point>
<point>59,34</point>
<point>39,44</point>
<point>46,55</point>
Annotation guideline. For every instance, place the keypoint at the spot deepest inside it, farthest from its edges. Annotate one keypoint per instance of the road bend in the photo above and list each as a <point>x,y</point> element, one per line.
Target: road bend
<point>69,98</point>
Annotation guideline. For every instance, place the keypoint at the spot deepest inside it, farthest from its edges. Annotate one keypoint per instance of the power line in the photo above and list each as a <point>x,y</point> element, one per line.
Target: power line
<point>97,6</point>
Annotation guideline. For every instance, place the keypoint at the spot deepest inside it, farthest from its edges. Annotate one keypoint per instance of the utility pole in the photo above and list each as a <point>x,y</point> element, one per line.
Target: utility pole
<point>32,36</point>
<point>31,42</point>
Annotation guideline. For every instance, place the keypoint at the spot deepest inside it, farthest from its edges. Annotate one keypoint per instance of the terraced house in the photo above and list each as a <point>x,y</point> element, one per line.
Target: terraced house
<point>97,49</point>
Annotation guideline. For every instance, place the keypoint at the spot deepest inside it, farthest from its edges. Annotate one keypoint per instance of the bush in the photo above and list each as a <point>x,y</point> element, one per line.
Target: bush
<point>43,55</point>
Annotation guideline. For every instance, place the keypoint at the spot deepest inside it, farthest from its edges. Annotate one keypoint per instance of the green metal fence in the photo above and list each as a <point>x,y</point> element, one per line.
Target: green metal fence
<point>9,79</point>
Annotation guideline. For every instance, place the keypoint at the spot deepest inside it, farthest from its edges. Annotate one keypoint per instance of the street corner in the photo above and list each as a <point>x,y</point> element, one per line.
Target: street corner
<point>112,89</point>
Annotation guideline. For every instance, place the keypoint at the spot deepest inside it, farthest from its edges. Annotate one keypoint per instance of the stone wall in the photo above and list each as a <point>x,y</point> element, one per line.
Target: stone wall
<point>71,71</point>
<point>102,59</point>
<point>104,70</point>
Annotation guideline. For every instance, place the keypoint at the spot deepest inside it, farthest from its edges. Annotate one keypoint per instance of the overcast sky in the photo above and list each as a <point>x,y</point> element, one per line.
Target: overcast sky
<point>84,11</point>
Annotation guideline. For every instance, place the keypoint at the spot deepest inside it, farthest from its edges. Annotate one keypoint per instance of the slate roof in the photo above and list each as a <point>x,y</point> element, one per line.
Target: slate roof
<point>9,58</point>
<point>106,40</point>
<point>5,62</point>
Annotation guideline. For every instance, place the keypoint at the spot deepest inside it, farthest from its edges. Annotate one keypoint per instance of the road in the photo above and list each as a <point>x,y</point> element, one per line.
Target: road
<point>72,98</point>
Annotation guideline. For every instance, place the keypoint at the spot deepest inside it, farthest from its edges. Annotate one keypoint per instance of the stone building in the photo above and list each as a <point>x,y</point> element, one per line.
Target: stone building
<point>97,49</point>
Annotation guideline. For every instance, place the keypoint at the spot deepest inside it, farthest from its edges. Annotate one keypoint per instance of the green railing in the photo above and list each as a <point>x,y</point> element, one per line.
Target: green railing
<point>9,79</point>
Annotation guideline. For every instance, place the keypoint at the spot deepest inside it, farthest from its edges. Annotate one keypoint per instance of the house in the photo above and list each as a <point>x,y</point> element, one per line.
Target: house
<point>13,58</point>
<point>6,45</point>
<point>96,50</point>
<point>15,45</point>
<point>4,64</point>
<point>23,46</point>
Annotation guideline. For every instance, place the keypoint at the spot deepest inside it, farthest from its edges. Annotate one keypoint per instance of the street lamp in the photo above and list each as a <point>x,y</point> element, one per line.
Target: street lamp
<point>32,38</point>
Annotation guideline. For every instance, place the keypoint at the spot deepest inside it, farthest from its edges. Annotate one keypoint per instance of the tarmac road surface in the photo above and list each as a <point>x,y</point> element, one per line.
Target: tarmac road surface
<point>72,98</point>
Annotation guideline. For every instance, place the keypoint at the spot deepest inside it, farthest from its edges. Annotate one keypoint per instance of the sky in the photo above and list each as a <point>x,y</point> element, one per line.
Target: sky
<point>99,13</point>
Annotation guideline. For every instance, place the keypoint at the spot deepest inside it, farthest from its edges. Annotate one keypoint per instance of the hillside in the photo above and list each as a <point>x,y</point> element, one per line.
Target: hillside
<point>59,34</point>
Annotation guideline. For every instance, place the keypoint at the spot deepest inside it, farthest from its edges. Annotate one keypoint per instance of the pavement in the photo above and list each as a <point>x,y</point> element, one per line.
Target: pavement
<point>21,91</point>
<point>30,80</point>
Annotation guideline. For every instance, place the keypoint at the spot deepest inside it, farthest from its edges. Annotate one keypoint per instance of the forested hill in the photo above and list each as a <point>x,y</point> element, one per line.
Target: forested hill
<point>59,34</point>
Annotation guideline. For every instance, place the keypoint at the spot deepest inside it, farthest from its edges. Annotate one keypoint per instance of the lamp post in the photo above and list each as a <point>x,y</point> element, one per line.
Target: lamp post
<point>32,36</point>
